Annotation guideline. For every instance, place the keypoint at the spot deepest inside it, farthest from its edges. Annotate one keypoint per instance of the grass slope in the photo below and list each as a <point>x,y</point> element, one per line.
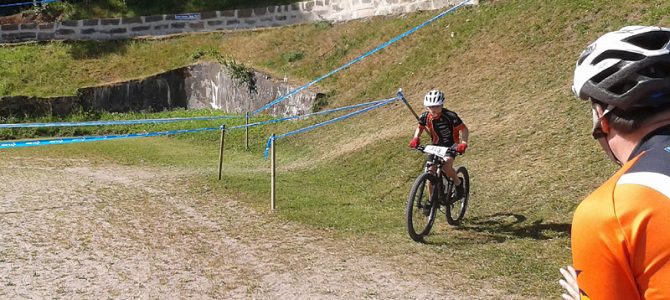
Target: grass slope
<point>506,69</point>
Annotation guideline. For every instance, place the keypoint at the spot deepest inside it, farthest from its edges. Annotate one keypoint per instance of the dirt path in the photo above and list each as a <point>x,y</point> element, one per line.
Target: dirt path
<point>76,229</point>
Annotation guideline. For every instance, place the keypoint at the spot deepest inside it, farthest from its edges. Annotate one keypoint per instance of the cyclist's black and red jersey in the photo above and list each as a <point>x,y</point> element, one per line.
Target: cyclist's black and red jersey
<point>620,239</point>
<point>444,130</point>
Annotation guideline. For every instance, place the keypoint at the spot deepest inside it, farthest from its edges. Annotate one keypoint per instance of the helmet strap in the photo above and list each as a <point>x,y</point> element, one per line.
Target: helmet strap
<point>606,147</point>
<point>601,129</point>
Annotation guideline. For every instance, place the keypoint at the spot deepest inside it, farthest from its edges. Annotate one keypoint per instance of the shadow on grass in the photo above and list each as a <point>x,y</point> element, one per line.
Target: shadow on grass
<point>508,224</point>
<point>499,228</point>
<point>96,49</point>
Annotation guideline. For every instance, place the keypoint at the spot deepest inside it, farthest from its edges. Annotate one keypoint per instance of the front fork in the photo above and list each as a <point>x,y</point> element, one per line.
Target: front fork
<point>448,190</point>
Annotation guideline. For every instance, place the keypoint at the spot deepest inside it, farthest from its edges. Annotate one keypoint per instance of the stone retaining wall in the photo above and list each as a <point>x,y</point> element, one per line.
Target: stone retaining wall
<point>205,85</point>
<point>264,17</point>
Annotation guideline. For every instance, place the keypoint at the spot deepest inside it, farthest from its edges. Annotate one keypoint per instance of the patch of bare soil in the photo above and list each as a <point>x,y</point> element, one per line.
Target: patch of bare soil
<point>76,229</point>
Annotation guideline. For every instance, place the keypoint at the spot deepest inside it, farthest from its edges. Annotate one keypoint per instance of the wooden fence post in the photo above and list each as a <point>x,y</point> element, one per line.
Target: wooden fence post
<point>273,194</point>
<point>246,131</point>
<point>223,138</point>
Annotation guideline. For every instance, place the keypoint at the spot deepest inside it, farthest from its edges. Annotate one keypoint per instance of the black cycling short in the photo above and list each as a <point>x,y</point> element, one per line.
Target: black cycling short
<point>430,157</point>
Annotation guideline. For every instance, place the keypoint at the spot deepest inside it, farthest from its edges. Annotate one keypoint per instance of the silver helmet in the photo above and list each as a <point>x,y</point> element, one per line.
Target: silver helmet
<point>434,98</point>
<point>628,68</point>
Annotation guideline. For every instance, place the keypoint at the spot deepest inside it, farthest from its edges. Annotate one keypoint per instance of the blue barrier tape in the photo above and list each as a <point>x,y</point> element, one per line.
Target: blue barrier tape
<point>34,143</point>
<point>340,118</point>
<point>310,114</point>
<point>380,47</point>
<point>122,122</point>
<point>268,145</point>
<point>336,119</point>
<point>172,120</point>
<point>28,3</point>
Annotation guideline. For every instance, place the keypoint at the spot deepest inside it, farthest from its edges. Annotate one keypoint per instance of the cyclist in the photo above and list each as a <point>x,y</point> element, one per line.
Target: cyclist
<point>445,128</point>
<point>620,240</point>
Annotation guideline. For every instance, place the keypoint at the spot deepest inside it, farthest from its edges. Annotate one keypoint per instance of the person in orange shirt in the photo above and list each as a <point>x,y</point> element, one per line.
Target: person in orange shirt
<point>621,232</point>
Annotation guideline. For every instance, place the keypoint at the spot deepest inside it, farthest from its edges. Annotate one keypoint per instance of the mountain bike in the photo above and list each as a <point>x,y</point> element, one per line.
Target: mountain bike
<point>433,191</point>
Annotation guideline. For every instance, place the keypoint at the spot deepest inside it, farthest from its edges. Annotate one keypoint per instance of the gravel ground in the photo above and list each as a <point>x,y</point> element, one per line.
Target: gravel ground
<point>70,228</point>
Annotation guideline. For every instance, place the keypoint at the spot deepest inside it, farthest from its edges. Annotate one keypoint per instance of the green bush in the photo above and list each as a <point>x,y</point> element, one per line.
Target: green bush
<point>55,10</point>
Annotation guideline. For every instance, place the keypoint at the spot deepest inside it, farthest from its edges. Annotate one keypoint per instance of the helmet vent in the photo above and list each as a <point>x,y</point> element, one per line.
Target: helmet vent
<point>582,58</point>
<point>618,54</point>
<point>604,74</point>
<point>622,87</point>
<point>659,70</point>
<point>654,40</point>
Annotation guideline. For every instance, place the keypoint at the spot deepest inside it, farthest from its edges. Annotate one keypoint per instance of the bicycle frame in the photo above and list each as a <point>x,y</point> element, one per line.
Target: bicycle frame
<point>440,154</point>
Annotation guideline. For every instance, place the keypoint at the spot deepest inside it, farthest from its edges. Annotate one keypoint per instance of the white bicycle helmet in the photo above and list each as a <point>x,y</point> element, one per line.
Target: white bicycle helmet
<point>434,98</point>
<point>628,68</point>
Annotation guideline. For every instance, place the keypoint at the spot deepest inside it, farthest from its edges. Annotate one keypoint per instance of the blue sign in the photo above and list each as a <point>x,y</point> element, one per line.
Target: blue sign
<point>28,3</point>
<point>195,16</point>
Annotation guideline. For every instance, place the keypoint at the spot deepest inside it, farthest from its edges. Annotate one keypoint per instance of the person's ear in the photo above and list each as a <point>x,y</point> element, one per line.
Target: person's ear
<point>605,125</point>
<point>604,122</point>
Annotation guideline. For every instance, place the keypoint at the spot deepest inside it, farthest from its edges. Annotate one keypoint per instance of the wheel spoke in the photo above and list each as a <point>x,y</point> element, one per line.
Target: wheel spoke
<point>456,208</point>
<point>420,211</point>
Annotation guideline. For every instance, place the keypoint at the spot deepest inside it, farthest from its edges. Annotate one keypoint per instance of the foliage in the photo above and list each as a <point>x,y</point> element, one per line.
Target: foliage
<point>55,10</point>
<point>118,8</point>
<point>320,102</point>
<point>87,9</point>
<point>293,56</point>
<point>242,73</point>
<point>323,24</point>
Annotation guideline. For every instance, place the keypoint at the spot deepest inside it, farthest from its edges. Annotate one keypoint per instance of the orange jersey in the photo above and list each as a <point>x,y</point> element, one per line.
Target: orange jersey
<point>621,232</point>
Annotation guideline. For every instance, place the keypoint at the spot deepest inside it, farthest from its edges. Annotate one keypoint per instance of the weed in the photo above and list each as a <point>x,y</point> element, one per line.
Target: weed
<point>240,72</point>
<point>243,74</point>
<point>293,56</point>
<point>321,25</point>
<point>320,101</point>
<point>208,52</point>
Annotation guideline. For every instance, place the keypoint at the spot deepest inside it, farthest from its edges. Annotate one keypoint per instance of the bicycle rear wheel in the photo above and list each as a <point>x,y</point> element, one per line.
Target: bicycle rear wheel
<point>420,209</point>
<point>456,207</point>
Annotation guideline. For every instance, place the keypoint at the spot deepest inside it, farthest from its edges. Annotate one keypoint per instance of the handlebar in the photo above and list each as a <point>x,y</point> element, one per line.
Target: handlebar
<point>450,150</point>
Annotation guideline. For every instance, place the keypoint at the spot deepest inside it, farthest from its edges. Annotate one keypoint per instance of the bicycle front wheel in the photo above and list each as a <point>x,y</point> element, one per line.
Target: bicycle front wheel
<point>456,207</point>
<point>421,206</point>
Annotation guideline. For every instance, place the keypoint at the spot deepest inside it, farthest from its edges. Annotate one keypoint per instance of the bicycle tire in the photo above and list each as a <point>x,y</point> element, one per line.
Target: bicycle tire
<point>456,209</point>
<point>420,211</point>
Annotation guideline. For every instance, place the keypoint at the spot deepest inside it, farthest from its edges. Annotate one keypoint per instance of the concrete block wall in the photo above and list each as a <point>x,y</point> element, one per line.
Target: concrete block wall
<point>263,17</point>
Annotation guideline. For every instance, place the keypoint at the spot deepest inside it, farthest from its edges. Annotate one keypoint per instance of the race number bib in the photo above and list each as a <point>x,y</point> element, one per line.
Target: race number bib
<point>437,150</point>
